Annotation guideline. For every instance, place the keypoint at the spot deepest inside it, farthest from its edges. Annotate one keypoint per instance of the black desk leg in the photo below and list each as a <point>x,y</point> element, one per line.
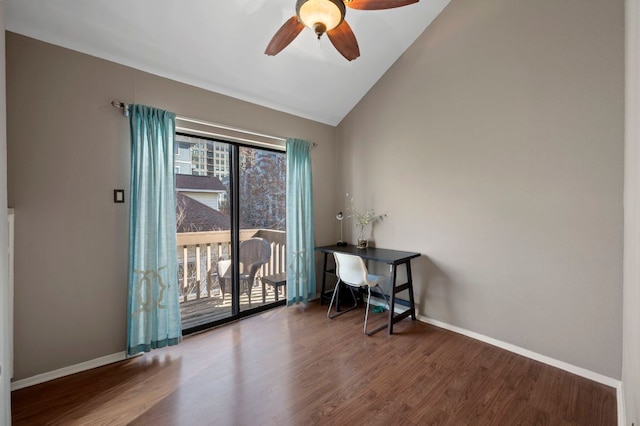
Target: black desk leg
<point>410,281</point>
<point>324,279</point>
<point>392,301</point>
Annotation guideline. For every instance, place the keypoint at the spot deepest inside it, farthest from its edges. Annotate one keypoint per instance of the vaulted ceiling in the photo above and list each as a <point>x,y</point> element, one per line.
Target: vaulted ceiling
<point>219,45</point>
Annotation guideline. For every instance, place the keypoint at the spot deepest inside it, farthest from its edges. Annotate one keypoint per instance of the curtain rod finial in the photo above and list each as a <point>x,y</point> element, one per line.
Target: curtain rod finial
<point>124,107</point>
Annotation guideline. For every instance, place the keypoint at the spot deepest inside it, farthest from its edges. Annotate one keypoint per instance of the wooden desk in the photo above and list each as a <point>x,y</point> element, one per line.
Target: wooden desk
<point>393,258</point>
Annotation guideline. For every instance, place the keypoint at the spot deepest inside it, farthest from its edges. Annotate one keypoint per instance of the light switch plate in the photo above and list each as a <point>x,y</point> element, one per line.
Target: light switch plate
<point>118,195</point>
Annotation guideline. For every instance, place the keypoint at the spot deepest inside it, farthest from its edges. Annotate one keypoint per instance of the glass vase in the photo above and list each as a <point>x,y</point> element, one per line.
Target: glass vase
<point>362,242</point>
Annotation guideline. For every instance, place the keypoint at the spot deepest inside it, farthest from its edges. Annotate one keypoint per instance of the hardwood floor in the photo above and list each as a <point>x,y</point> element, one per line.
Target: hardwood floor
<point>290,366</point>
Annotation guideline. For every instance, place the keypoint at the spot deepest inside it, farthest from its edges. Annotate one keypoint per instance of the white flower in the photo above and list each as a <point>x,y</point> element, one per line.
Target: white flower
<point>363,219</point>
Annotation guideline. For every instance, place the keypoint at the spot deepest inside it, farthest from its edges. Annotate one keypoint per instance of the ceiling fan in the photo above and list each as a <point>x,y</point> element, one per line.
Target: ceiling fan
<point>327,16</point>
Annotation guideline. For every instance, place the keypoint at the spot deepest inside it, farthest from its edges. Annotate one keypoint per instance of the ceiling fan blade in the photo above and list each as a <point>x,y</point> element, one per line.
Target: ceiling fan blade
<point>377,4</point>
<point>284,36</point>
<point>344,41</point>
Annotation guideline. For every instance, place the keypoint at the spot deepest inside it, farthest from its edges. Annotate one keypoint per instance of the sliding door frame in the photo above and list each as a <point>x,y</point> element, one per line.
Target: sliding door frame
<point>234,211</point>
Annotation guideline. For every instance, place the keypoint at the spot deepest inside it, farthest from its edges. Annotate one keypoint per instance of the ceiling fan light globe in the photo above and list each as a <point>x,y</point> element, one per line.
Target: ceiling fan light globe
<point>315,14</point>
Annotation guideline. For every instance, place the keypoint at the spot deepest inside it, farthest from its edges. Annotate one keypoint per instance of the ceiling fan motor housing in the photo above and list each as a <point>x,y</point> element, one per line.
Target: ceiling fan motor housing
<point>312,12</point>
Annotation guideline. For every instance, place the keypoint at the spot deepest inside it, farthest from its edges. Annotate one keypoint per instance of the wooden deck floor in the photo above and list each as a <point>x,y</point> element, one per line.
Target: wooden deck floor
<point>208,309</point>
<point>294,366</point>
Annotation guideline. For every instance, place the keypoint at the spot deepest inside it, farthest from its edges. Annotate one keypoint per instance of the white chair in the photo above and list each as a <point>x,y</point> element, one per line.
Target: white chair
<point>352,271</point>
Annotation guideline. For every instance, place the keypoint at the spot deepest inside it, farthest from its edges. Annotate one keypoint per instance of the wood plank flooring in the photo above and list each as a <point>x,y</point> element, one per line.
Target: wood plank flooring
<point>293,366</point>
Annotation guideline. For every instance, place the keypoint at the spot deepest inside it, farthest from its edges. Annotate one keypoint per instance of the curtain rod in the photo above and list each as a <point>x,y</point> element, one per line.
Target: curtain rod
<point>121,105</point>
<point>125,111</point>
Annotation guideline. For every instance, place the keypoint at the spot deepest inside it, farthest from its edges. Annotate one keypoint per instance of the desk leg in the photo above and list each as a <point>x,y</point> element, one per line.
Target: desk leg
<point>392,300</point>
<point>394,288</point>
<point>324,279</point>
<point>410,282</point>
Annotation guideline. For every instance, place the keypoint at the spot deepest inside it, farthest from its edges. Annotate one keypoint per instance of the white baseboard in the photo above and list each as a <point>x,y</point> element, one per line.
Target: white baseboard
<point>583,372</point>
<point>579,371</point>
<point>622,413</point>
<point>66,371</point>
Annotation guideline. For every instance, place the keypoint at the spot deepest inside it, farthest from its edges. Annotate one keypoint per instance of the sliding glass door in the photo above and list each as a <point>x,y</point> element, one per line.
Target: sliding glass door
<point>230,208</point>
<point>262,214</point>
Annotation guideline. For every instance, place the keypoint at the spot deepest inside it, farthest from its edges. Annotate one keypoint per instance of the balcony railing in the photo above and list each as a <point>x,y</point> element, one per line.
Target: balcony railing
<point>199,253</point>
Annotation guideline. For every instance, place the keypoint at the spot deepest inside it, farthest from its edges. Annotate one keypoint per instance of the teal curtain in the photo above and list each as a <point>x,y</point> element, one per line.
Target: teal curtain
<point>154,310</point>
<point>301,274</point>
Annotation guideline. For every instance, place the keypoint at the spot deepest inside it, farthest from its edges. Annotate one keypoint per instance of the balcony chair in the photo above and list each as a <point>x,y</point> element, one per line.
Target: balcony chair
<point>352,271</point>
<point>254,253</point>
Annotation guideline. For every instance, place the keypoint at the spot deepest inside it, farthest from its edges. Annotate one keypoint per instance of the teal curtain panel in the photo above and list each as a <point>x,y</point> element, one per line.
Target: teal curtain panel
<point>301,274</point>
<point>154,310</point>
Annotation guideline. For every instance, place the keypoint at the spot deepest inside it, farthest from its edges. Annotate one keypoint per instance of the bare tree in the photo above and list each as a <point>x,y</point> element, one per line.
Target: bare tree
<point>263,190</point>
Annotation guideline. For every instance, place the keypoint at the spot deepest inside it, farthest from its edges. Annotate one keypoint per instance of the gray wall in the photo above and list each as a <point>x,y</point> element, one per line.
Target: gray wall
<point>495,146</point>
<point>68,149</point>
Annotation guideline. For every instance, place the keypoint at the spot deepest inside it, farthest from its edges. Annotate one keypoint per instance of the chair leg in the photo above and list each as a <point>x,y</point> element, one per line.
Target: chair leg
<point>366,317</point>
<point>336,292</point>
<point>366,313</point>
<point>384,296</point>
